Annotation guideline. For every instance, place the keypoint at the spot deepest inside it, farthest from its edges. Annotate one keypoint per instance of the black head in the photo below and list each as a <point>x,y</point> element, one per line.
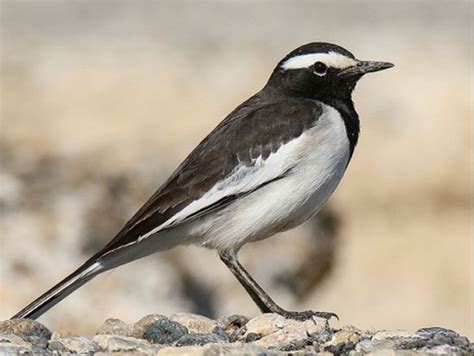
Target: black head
<point>321,71</point>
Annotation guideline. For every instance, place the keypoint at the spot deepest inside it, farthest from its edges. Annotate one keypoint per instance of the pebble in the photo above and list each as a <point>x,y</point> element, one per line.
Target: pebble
<point>289,338</point>
<point>164,332</point>
<point>62,334</point>
<point>442,350</point>
<point>200,339</point>
<point>219,330</point>
<point>218,349</point>
<point>395,334</point>
<point>7,340</point>
<point>115,327</point>
<point>367,346</point>
<point>341,348</point>
<point>234,326</point>
<point>141,325</point>
<point>363,334</point>
<point>251,337</point>
<point>77,345</point>
<point>432,331</point>
<point>190,334</point>
<point>344,337</point>
<point>265,324</point>
<point>234,322</point>
<point>30,330</point>
<point>314,325</point>
<point>113,343</point>
<point>196,324</point>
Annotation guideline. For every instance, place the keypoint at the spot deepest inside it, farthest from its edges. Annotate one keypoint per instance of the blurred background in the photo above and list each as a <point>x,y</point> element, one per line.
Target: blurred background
<point>101,100</point>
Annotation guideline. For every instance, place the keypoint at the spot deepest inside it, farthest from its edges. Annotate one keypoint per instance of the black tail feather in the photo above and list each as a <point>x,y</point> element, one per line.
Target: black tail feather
<point>47,300</point>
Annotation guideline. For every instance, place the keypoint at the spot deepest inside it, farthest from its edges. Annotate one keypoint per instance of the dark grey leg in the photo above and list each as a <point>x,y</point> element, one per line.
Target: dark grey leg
<point>260,297</point>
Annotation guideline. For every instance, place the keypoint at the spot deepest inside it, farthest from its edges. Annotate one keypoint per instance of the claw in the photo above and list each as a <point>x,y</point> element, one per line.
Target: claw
<point>327,315</point>
<point>309,314</point>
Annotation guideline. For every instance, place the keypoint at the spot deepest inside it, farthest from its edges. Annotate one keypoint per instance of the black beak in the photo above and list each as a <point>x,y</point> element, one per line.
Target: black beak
<point>363,67</point>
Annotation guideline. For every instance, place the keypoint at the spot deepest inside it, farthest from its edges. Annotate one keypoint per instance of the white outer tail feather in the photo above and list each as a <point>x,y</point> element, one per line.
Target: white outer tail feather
<point>60,291</point>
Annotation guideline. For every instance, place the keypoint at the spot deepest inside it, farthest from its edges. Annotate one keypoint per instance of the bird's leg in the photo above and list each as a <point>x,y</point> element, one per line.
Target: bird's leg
<point>260,297</point>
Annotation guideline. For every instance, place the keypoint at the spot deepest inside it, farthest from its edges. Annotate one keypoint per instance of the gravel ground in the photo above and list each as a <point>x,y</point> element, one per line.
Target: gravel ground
<point>191,334</point>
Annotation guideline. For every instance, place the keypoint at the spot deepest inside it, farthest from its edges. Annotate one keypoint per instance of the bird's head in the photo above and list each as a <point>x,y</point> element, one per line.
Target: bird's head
<point>321,71</point>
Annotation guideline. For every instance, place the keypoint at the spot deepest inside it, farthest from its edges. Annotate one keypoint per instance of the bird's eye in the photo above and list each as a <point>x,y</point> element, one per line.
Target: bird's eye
<point>320,68</point>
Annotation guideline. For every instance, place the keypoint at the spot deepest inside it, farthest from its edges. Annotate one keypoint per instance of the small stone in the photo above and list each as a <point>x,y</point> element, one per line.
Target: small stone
<point>432,331</point>
<point>238,335</point>
<point>265,324</point>
<point>164,332</point>
<point>62,334</point>
<point>11,349</point>
<point>216,349</point>
<point>30,330</point>
<point>292,337</point>
<point>219,330</point>
<point>112,343</point>
<point>14,341</point>
<point>115,327</point>
<point>251,337</point>
<point>344,337</point>
<point>443,350</point>
<point>341,348</point>
<point>395,334</point>
<point>442,339</point>
<point>314,325</point>
<point>234,322</point>
<point>200,339</point>
<point>309,351</point>
<point>367,346</point>
<point>234,326</point>
<point>78,344</point>
<point>196,324</point>
<point>321,338</point>
<point>141,325</point>
<point>411,343</point>
<point>461,341</point>
<point>363,334</point>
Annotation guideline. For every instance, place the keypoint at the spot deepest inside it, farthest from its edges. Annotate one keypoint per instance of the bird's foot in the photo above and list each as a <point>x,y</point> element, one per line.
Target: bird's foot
<point>306,315</point>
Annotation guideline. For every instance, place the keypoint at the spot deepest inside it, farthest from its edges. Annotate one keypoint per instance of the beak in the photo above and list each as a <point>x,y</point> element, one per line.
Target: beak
<point>363,67</point>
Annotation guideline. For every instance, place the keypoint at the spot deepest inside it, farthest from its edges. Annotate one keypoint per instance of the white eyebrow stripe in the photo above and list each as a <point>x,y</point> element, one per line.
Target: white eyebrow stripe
<point>331,59</point>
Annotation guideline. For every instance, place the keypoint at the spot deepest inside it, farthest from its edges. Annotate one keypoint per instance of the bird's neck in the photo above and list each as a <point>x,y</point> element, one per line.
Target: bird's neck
<point>345,107</point>
<point>340,100</point>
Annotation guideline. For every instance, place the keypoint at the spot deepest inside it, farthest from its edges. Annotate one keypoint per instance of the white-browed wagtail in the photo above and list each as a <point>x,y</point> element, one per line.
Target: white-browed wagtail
<point>271,164</point>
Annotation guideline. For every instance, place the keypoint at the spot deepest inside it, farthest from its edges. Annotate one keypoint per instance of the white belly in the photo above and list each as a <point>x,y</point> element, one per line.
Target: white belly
<point>319,158</point>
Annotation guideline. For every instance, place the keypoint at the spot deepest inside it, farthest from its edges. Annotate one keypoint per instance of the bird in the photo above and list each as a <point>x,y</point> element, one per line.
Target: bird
<point>270,165</point>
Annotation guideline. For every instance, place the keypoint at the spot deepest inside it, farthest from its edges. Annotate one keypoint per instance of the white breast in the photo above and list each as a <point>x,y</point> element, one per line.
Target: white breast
<point>318,157</point>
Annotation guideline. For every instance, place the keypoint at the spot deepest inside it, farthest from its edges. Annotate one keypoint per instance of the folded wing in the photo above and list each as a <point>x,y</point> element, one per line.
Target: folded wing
<point>235,159</point>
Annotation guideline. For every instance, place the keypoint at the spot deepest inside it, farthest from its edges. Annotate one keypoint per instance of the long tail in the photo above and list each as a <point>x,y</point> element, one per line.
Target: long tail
<point>75,280</point>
